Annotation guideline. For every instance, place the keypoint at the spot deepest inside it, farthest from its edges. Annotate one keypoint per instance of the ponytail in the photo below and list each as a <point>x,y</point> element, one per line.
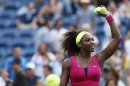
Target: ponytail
<point>69,42</point>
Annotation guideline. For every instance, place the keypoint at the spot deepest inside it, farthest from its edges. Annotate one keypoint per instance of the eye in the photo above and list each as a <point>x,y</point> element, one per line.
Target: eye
<point>88,39</point>
<point>92,39</point>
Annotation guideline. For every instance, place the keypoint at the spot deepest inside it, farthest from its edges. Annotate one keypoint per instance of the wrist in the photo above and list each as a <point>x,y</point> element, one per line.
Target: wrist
<point>109,18</point>
<point>108,14</point>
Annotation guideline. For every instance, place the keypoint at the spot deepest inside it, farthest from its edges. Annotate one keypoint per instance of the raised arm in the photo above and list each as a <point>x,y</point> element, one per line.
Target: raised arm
<point>104,54</point>
<point>65,72</point>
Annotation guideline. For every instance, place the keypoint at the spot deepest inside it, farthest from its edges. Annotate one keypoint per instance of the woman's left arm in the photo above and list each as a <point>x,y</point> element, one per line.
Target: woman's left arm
<point>106,53</point>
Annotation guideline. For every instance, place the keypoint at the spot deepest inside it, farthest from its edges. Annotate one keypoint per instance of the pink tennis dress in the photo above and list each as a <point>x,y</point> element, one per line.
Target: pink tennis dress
<point>88,76</point>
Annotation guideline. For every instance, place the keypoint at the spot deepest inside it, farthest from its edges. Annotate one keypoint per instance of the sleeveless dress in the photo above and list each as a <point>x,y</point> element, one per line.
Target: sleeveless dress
<point>88,76</point>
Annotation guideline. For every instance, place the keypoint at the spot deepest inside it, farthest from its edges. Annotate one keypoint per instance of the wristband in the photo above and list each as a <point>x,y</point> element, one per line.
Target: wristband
<point>109,18</point>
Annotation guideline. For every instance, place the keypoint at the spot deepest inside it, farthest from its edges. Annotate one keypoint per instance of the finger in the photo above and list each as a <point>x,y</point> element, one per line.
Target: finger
<point>101,14</point>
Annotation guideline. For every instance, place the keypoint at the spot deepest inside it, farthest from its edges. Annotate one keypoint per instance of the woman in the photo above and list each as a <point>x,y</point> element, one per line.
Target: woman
<point>82,68</point>
<point>4,79</point>
<point>113,81</point>
<point>41,58</point>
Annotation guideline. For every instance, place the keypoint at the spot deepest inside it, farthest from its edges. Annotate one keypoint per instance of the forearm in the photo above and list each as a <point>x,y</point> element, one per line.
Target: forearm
<point>101,10</point>
<point>106,53</point>
<point>64,81</point>
<point>113,45</point>
<point>115,31</point>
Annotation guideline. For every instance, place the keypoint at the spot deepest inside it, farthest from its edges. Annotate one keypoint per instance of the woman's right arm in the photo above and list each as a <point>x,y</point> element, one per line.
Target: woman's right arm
<point>65,72</point>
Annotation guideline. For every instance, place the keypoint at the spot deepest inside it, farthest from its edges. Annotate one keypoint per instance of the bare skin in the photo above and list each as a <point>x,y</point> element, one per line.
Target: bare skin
<point>86,47</point>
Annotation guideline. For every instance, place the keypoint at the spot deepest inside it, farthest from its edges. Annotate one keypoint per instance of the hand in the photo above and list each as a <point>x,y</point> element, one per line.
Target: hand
<point>102,11</point>
<point>105,14</point>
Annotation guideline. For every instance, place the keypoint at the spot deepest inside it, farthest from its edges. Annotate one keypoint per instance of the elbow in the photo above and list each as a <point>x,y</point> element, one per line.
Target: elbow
<point>119,38</point>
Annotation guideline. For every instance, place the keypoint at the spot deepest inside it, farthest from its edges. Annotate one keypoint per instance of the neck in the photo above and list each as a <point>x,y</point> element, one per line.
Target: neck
<point>85,8</point>
<point>31,76</point>
<point>85,54</point>
<point>42,54</point>
<point>17,57</point>
<point>5,78</point>
<point>57,28</point>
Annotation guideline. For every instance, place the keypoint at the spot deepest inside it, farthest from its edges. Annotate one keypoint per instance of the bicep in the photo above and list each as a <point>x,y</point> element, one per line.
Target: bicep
<point>33,59</point>
<point>65,74</point>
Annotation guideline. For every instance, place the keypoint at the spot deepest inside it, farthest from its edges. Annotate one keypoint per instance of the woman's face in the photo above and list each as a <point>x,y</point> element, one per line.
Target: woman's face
<point>42,48</point>
<point>87,43</point>
<point>58,24</point>
<point>5,74</point>
<point>111,83</point>
<point>84,5</point>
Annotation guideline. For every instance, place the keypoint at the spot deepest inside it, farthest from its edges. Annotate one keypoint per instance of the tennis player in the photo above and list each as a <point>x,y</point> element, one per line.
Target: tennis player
<point>81,67</point>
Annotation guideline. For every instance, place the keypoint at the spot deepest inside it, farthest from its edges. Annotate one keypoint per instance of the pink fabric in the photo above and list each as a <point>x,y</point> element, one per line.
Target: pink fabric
<point>80,78</point>
<point>109,18</point>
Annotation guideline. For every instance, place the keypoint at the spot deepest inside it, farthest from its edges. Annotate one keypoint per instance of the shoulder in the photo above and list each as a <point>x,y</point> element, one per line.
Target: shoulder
<point>42,29</point>
<point>64,30</point>
<point>9,59</point>
<point>53,30</point>
<point>51,56</point>
<point>67,63</point>
<point>67,60</point>
<point>23,59</point>
<point>120,83</point>
<point>35,56</point>
<point>91,8</point>
<point>20,75</point>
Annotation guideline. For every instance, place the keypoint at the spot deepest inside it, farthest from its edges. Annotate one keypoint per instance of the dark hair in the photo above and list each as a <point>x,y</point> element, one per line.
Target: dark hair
<point>42,43</point>
<point>69,42</point>
<point>48,67</point>
<point>16,46</point>
<point>41,22</point>
<point>74,25</point>
<point>56,21</point>
<point>108,81</point>
<point>115,76</point>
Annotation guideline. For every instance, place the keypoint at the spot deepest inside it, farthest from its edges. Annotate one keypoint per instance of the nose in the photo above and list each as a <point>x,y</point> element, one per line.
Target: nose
<point>93,43</point>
